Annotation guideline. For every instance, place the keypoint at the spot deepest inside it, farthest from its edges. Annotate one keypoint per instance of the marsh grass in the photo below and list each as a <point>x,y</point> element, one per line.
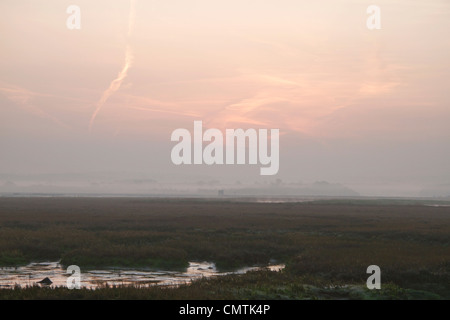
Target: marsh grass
<point>255,285</point>
<point>327,241</point>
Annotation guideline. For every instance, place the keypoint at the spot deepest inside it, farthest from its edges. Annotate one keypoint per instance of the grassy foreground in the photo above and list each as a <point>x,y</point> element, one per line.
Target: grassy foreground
<point>326,245</point>
<point>255,285</point>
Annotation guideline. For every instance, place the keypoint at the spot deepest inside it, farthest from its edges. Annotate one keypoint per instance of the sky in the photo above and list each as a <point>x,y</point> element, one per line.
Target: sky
<point>366,108</point>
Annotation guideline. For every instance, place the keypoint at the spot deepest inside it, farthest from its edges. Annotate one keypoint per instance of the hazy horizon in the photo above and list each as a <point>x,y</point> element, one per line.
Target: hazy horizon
<point>367,109</point>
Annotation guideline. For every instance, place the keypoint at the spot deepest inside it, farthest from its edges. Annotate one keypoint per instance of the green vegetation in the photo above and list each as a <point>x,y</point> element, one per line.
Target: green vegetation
<point>324,243</point>
<point>255,285</point>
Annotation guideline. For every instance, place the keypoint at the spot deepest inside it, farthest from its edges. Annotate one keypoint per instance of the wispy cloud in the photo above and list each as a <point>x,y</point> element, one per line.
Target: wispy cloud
<point>176,112</point>
<point>24,99</point>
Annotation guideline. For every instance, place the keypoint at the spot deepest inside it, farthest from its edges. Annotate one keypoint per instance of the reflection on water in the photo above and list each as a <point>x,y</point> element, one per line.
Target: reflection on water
<point>29,275</point>
<point>281,200</point>
<point>437,205</point>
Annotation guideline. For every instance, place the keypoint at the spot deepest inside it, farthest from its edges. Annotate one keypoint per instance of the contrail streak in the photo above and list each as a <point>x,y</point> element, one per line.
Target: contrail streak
<point>131,17</point>
<point>116,83</point>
